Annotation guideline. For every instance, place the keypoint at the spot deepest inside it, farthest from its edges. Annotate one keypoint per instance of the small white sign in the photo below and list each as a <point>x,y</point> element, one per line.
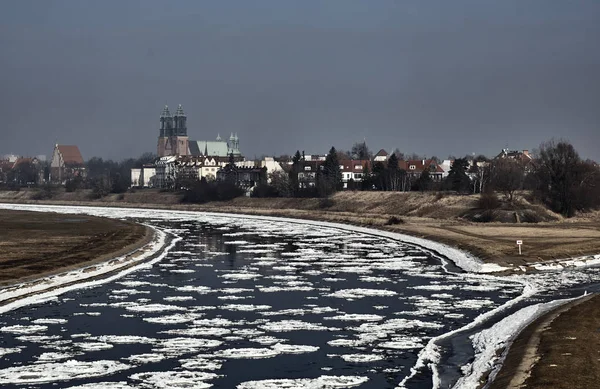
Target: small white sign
<point>519,242</point>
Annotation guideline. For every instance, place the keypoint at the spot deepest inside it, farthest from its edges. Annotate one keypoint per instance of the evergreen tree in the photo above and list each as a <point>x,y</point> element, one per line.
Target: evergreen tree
<point>392,172</point>
<point>294,184</point>
<point>457,179</point>
<point>329,176</point>
<point>367,179</point>
<point>378,176</point>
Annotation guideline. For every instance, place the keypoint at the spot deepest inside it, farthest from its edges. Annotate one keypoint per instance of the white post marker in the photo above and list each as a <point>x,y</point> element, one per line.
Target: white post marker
<point>519,243</point>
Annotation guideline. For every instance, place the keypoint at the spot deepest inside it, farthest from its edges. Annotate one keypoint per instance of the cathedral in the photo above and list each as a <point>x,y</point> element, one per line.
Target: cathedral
<point>173,139</point>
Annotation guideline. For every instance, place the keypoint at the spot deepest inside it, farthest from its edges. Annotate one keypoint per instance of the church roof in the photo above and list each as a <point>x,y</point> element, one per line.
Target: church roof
<point>209,148</point>
<point>70,154</point>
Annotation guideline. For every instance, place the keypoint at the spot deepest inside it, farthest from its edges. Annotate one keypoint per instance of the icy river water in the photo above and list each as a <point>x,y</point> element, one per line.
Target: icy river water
<point>241,302</point>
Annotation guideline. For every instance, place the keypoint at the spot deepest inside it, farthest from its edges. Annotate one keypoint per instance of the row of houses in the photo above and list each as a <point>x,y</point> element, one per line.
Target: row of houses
<point>167,171</point>
<point>171,171</point>
<point>66,163</point>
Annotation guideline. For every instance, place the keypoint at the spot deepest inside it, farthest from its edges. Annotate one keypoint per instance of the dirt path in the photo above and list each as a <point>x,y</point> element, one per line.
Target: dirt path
<point>35,244</point>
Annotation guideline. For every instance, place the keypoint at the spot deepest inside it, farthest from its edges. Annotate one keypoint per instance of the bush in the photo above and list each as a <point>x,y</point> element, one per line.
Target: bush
<point>74,184</point>
<point>485,217</point>
<point>203,191</point>
<point>265,190</point>
<point>394,220</point>
<point>488,201</point>
<point>46,192</point>
<point>326,203</point>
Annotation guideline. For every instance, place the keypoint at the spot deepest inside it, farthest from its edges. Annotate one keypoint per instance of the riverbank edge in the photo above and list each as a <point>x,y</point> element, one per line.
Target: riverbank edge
<point>101,267</point>
<point>509,359</point>
<point>522,353</point>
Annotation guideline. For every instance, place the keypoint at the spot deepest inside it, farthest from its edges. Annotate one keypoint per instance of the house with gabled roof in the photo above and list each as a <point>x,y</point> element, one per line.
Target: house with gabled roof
<point>67,163</point>
<point>414,168</point>
<point>353,170</point>
<point>381,156</point>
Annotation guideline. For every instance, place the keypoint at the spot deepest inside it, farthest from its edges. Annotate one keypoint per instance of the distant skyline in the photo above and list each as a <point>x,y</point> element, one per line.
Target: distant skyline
<point>429,77</point>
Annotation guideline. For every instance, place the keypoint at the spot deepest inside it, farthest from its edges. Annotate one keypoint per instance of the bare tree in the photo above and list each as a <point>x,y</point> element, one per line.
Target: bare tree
<point>361,151</point>
<point>506,176</point>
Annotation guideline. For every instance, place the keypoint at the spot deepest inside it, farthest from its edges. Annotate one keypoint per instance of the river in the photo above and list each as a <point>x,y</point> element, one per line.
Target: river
<point>241,302</point>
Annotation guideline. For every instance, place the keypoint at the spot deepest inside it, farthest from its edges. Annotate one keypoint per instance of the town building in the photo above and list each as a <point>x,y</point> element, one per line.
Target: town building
<point>67,163</point>
<point>353,171</point>
<point>414,169</point>
<point>521,156</point>
<point>173,139</point>
<point>381,156</point>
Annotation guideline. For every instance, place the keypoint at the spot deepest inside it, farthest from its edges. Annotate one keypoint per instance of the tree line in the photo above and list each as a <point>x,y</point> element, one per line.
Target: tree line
<point>556,176</point>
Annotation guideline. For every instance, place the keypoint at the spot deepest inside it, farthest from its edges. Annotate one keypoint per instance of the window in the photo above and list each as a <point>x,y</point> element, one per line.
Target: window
<point>412,167</point>
<point>358,167</point>
<point>357,175</point>
<point>307,168</point>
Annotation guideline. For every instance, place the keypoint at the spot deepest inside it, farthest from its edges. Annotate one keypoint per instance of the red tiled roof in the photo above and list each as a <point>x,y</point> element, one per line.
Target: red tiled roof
<point>70,154</point>
<point>355,165</point>
<point>420,165</point>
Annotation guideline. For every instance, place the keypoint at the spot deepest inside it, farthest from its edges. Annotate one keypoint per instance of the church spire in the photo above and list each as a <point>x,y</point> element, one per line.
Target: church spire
<point>165,113</point>
<point>179,111</point>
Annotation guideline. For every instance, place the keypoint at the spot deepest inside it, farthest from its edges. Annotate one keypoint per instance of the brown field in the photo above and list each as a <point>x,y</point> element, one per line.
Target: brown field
<point>34,244</point>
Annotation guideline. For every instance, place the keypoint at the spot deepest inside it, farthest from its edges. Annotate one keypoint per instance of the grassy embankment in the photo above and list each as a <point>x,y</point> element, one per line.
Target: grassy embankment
<point>34,244</point>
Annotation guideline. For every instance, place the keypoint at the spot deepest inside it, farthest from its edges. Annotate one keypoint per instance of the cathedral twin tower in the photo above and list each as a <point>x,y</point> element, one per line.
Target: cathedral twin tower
<point>173,139</point>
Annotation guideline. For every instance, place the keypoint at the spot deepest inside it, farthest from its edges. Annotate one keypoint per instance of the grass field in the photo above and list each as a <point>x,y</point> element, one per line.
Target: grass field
<point>33,244</point>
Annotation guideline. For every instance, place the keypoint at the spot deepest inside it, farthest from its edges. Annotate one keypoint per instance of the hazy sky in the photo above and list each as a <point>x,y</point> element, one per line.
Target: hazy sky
<point>431,77</point>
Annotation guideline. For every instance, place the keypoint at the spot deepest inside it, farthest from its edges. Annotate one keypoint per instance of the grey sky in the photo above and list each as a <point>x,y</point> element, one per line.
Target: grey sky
<point>431,77</point>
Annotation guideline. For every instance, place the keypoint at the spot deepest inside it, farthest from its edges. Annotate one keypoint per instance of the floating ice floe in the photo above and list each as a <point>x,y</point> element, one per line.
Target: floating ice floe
<point>104,385</point>
<point>177,318</point>
<point>247,353</point>
<point>198,331</point>
<point>93,346</point>
<point>9,350</point>
<point>124,339</point>
<point>154,308</point>
<point>361,358</point>
<point>201,363</point>
<point>141,359</point>
<point>174,379</point>
<point>53,357</point>
<point>180,346</point>
<point>292,325</point>
<point>245,307</point>
<point>403,343</point>
<point>49,321</point>
<point>20,329</point>
<point>60,371</point>
<point>323,382</point>
<point>356,317</point>
<point>361,292</point>
<point>178,298</point>
<point>293,349</point>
